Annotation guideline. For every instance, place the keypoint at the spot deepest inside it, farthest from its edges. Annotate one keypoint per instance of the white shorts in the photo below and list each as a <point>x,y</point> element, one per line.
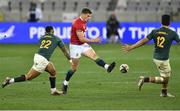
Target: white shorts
<point>40,63</point>
<point>77,50</point>
<point>163,67</point>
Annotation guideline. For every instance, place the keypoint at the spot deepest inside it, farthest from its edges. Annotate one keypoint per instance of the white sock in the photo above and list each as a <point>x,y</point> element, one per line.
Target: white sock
<point>65,82</point>
<point>53,89</point>
<point>11,80</point>
<point>106,66</point>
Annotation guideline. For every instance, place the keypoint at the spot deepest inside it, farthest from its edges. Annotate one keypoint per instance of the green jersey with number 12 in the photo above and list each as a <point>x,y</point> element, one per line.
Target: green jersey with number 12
<point>163,38</point>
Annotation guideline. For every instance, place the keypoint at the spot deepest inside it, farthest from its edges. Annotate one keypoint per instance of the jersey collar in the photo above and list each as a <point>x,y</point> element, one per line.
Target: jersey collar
<point>48,33</point>
<point>82,19</point>
<point>165,26</point>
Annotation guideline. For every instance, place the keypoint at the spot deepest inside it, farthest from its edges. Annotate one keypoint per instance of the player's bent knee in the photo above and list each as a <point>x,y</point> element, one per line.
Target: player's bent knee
<point>29,78</point>
<point>74,67</point>
<point>53,73</point>
<point>95,56</point>
<point>166,80</point>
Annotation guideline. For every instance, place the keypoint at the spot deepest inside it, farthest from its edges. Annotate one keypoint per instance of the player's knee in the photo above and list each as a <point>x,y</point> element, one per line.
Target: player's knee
<point>166,80</point>
<point>53,73</point>
<point>94,56</point>
<point>74,67</point>
<point>29,78</point>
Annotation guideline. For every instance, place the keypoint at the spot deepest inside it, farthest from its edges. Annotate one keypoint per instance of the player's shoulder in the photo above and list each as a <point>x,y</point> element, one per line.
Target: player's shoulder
<point>57,38</point>
<point>54,36</point>
<point>160,30</point>
<point>154,31</point>
<point>77,21</point>
<point>172,31</point>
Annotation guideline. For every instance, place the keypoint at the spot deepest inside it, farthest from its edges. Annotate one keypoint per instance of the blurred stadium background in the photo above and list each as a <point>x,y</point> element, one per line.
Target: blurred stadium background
<point>91,88</point>
<point>126,10</point>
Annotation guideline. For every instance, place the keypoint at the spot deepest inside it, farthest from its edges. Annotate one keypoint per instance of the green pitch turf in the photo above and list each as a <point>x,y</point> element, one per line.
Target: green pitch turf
<point>91,88</point>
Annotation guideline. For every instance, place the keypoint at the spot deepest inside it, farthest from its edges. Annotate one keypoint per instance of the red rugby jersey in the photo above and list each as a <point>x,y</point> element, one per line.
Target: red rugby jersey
<point>78,24</point>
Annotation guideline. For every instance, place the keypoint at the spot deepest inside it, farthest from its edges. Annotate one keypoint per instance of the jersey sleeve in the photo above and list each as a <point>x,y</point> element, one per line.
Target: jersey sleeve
<point>60,42</point>
<point>150,36</point>
<point>176,38</point>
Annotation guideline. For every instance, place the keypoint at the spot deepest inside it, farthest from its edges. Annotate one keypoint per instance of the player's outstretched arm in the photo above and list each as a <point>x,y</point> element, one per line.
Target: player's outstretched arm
<point>83,39</point>
<point>126,48</point>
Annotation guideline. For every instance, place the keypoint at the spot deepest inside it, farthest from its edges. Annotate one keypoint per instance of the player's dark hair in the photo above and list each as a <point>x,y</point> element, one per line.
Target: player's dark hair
<point>165,20</point>
<point>48,29</point>
<point>86,11</point>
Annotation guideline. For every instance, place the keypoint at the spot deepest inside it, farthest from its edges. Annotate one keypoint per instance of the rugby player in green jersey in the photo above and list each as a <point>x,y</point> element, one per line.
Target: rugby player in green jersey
<point>163,38</point>
<point>47,45</point>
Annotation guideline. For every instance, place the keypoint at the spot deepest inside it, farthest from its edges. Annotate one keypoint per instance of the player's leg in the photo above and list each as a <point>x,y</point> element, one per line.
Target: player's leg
<point>90,53</point>
<point>52,78</point>
<point>108,34</point>
<point>164,86</point>
<point>75,53</point>
<point>165,72</point>
<point>113,38</point>
<point>74,66</point>
<point>29,76</point>
<point>157,80</point>
<point>37,68</point>
<point>119,38</point>
<point>69,74</point>
<point>164,81</point>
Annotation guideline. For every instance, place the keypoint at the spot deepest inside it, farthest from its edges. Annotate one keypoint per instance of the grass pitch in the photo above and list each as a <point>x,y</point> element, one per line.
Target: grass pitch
<point>91,88</point>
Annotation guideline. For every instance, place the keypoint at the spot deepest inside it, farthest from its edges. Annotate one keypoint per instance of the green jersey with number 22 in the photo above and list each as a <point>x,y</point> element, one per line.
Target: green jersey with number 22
<point>48,43</point>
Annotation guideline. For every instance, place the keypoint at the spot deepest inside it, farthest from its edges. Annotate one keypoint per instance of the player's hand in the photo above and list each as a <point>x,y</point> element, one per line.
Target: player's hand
<point>97,40</point>
<point>126,48</point>
<point>71,62</point>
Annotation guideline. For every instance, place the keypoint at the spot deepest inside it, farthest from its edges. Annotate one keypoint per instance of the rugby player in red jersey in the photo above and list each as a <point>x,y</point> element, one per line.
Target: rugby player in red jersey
<point>79,46</point>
